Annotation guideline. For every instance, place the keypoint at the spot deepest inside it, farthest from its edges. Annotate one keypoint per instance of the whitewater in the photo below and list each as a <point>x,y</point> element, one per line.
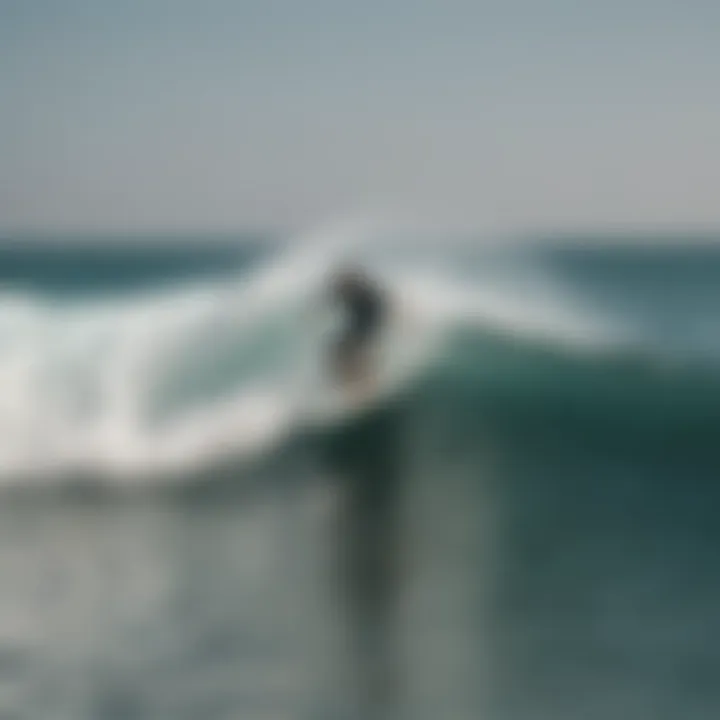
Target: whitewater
<point>141,388</point>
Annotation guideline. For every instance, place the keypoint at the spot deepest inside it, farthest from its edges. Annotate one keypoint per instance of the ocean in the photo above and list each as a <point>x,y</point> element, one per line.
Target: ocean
<point>522,527</point>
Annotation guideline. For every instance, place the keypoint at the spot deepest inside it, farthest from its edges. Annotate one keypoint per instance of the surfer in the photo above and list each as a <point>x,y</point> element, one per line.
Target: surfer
<point>365,309</point>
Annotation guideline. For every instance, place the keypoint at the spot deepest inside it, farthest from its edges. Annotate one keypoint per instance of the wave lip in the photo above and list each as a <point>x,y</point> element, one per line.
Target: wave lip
<point>142,389</point>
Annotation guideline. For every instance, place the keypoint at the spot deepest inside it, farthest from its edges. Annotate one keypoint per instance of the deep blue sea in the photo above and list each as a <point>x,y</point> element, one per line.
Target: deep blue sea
<point>524,526</point>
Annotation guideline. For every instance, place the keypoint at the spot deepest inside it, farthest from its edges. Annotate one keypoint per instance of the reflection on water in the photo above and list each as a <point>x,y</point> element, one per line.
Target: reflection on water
<point>536,574</point>
<point>218,609</point>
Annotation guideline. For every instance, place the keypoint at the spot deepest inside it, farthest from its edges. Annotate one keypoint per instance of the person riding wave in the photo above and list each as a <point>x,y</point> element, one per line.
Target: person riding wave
<point>365,309</point>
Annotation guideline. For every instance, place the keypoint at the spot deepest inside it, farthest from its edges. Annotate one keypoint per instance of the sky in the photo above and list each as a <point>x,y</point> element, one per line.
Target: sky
<point>234,114</point>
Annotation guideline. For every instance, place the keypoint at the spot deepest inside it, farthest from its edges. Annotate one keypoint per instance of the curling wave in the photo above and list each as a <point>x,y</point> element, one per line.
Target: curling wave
<point>142,389</point>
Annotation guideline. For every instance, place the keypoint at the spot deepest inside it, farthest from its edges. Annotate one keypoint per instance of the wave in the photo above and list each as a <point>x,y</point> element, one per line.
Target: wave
<point>141,391</point>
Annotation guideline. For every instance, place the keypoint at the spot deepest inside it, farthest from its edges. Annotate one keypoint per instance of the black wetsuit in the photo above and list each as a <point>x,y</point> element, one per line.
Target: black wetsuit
<point>365,310</point>
<point>365,314</point>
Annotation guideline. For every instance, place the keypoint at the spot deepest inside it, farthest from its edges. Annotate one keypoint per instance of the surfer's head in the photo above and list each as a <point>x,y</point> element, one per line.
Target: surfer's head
<point>347,281</point>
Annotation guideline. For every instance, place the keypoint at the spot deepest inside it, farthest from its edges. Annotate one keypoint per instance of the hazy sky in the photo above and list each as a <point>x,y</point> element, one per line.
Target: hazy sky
<point>228,114</point>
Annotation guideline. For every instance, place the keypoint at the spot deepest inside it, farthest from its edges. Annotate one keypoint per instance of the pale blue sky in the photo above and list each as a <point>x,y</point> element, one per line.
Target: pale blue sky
<point>227,114</point>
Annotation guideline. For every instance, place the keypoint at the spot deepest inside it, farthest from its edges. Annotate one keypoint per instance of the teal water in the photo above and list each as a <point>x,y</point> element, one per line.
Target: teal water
<point>528,531</point>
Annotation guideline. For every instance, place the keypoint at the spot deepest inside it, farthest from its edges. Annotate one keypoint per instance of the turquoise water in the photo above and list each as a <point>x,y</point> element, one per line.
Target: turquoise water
<point>527,531</point>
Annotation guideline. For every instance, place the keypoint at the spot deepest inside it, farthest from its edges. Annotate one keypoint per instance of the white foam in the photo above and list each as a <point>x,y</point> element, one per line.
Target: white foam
<point>81,385</point>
